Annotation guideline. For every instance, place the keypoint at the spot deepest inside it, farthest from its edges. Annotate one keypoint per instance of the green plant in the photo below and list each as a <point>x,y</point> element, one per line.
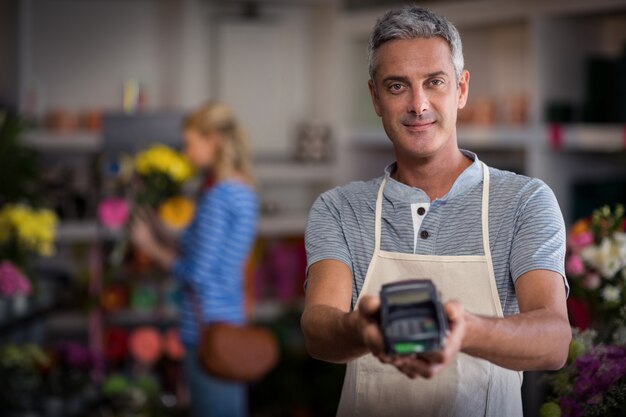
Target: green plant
<point>20,376</point>
<point>18,163</point>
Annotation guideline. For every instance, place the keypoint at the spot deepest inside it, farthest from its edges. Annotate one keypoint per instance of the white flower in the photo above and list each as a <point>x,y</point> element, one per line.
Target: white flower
<point>611,294</point>
<point>608,257</point>
<point>592,281</point>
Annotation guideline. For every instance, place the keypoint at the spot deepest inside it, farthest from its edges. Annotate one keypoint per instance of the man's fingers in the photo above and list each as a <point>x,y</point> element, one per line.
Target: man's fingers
<point>368,311</point>
<point>416,366</point>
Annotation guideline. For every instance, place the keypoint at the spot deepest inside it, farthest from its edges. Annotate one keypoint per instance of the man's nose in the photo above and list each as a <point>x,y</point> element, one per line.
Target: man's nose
<point>419,101</point>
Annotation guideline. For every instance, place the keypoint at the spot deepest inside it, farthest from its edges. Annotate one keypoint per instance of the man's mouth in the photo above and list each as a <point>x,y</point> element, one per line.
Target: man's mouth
<point>419,127</point>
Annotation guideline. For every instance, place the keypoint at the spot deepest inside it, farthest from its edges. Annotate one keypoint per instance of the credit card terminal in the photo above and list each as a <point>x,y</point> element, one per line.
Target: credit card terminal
<point>412,317</point>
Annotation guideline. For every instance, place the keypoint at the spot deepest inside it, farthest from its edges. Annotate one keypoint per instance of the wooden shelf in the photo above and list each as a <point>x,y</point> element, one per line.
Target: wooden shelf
<point>283,224</point>
<point>89,231</point>
<point>491,137</point>
<point>588,137</point>
<point>494,137</point>
<point>133,318</point>
<point>293,172</point>
<point>84,231</point>
<point>574,137</point>
<point>81,141</point>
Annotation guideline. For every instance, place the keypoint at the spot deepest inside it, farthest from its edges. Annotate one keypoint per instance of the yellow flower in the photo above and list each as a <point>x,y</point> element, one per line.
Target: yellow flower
<point>162,159</point>
<point>33,230</point>
<point>177,212</point>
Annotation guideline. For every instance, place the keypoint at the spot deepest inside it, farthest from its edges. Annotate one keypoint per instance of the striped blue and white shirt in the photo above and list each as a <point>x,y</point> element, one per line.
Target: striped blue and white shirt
<point>214,249</point>
<point>526,228</point>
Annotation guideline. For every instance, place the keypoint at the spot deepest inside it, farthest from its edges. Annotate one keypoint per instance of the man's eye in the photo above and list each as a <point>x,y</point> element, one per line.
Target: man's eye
<point>395,87</point>
<point>436,82</point>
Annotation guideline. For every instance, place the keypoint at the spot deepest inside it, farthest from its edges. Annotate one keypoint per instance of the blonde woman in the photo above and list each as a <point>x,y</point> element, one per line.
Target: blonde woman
<point>209,260</point>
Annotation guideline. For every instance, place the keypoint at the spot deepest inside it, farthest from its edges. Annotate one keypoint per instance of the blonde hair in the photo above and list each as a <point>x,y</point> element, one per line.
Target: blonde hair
<point>233,154</point>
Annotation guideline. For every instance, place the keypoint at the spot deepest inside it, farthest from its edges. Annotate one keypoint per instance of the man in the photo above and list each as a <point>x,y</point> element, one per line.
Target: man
<point>492,241</point>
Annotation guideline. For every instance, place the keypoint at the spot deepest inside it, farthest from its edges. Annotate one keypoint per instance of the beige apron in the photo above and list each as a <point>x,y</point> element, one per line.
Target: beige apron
<point>469,386</point>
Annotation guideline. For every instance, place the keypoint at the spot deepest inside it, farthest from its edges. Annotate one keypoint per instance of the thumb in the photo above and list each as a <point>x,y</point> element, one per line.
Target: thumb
<point>369,307</point>
<point>454,310</point>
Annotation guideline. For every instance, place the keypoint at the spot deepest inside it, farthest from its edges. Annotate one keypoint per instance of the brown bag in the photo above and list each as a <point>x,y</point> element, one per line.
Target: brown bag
<point>237,353</point>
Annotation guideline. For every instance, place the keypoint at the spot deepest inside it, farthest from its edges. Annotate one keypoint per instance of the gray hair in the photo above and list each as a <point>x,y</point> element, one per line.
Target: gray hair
<point>411,22</point>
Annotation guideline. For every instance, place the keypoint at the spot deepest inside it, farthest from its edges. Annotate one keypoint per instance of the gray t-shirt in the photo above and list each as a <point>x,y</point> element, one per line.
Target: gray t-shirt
<point>526,228</point>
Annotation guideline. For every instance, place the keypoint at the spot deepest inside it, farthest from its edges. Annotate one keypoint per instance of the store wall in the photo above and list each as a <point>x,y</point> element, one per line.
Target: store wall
<point>264,72</point>
<point>76,55</point>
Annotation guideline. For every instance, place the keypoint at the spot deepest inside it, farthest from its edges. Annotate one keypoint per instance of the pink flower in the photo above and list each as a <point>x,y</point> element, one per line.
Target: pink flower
<point>574,265</point>
<point>13,281</point>
<point>581,240</point>
<point>113,212</point>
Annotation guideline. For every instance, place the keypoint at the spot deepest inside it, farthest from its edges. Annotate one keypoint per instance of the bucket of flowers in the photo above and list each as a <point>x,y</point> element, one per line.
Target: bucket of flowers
<point>25,232</point>
<point>593,382</point>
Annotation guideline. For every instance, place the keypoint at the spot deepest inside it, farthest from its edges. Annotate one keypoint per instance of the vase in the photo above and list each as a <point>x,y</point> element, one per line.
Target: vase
<point>19,305</point>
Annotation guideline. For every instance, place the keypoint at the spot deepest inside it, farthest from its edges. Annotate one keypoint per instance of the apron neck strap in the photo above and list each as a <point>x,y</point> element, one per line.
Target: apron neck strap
<point>379,212</point>
<point>484,213</point>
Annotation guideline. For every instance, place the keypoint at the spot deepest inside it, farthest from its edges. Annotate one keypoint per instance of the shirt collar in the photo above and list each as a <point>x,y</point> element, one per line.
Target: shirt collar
<point>395,190</point>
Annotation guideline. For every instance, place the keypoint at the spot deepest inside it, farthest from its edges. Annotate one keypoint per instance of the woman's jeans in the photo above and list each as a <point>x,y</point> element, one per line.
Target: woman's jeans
<point>212,396</point>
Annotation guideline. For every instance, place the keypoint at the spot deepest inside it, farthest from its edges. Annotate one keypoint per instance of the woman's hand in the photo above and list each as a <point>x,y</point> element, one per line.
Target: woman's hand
<point>141,233</point>
<point>143,236</point>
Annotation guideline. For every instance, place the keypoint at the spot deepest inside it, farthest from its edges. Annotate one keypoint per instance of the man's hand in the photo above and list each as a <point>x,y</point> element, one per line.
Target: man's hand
<point>425,366</point>
<point>368,325</point>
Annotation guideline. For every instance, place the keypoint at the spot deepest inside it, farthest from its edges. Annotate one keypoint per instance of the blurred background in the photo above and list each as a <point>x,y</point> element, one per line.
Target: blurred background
<point>96,81</point>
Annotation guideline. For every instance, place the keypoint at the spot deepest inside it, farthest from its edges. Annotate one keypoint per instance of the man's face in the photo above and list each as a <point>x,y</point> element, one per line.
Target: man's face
<point>417,96</point>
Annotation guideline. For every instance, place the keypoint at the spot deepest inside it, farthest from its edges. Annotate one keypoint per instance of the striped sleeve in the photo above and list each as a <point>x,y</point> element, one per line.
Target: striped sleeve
<point>539,234</point>
<point>324,236</point>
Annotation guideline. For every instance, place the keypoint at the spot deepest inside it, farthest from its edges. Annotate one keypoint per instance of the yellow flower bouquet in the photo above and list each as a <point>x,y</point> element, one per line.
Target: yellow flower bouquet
<point>162,172</point>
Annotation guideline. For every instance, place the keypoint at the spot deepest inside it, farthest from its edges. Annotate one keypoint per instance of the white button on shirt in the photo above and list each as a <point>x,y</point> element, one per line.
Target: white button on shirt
<point>418,216</point>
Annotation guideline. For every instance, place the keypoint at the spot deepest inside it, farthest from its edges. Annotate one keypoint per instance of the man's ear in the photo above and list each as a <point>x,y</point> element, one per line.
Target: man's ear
<point>463,88</point>
<point>374,95</point>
